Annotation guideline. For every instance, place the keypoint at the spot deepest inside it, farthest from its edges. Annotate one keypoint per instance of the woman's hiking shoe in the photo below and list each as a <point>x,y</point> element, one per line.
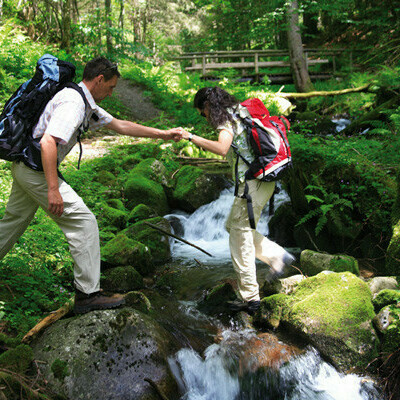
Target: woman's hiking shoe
<point>96,301</point>
<point>250,307</point>
<point>287,261</point>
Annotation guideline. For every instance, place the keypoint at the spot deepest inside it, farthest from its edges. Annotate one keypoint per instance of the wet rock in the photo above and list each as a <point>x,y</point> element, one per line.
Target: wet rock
<point>107,352</point>
<point>194,188</point>
<point>265,351</point>
<point>216,299</point>
<point>333,311</point>
<point>138,301</point>
<point>312,263</point>
<point>121,279</point>
<point>286,286</point>
<point>386,297</point>
<point>123,250</point>
<point>156,241</point>
<point>153,169</point>
<point>382,282</point>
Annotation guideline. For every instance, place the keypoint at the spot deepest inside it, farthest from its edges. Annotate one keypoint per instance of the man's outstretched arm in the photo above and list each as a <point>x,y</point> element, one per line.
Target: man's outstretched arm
<point>129,128</point>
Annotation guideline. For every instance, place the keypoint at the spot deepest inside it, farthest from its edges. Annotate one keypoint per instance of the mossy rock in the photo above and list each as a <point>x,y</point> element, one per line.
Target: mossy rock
<point>138,301</point>
<point>116,203</point>
<point>142,190</point>
<point>152,169</point>
<point>141,212</point>
<point>59,368</point>
<point>122,279</point>
<point>106,178</point>
<point>392,266</point>
<point>194,188</point>
<point>123,250</point>
<point>281,225</point>
<point>379,283</point>
<point>17,359</point>
<point>216,299</point>
<point>113,217</point>
<point>156,241</point>
<point>386,297</point>
<point>387,323</point>
<point>334,311</point>
<point>312,263</point>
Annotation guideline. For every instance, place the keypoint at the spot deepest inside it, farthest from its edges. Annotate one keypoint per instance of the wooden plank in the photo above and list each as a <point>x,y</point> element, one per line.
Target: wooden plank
<point>261,64</point>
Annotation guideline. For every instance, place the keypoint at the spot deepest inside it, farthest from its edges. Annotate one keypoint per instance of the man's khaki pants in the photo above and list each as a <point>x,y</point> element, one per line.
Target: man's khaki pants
<point>247,244</point>
<point>29,191</point>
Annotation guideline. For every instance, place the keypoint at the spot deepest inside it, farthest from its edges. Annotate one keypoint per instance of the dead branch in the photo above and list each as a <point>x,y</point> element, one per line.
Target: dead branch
<point>324,93</point>
<point>177,237</point>
<point>47,321</point>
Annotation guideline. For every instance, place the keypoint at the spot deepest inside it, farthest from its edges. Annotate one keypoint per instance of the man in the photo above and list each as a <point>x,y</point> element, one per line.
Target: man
<point>58,128</point>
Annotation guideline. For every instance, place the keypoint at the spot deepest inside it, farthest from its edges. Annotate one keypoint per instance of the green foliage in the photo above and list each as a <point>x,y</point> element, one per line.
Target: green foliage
<point>326,205</point>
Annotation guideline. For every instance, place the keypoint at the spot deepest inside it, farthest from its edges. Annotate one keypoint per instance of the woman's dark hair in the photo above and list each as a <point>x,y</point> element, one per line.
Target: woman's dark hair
<point>100,66</point>
<point>217,101</point>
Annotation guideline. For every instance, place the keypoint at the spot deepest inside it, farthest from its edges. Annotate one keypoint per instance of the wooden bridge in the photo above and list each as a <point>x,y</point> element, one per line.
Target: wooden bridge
<point>256,63</point>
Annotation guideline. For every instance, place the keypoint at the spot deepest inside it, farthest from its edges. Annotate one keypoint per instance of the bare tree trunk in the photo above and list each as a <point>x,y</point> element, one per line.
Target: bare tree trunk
<point>109,44</point>
<point>66,25</point>
<point>98,24</point>
<point>121,22</point>
<point>298,63</point>
<point>1,11</point>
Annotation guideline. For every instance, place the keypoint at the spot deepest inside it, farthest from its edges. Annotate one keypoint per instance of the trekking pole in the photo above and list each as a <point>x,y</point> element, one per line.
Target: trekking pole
<point>177,237</point>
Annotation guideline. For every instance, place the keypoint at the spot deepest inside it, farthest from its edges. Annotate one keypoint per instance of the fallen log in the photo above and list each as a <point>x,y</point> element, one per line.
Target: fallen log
<point>47,321</point>
<point>325,93</point>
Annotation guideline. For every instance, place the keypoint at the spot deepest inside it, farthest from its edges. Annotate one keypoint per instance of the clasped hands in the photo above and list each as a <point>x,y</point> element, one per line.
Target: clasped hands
<point>176,134</point>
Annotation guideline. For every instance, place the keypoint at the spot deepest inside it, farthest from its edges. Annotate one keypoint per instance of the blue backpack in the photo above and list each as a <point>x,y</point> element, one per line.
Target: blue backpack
<point>22,111</point>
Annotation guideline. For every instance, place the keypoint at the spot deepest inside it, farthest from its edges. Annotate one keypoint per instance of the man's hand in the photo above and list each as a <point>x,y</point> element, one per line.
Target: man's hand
<point>174,134</point>
<point>56,203</point>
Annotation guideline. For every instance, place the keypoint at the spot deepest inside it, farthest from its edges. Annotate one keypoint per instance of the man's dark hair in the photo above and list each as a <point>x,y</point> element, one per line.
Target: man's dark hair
<point>217,101</point>
<point>100,66</point>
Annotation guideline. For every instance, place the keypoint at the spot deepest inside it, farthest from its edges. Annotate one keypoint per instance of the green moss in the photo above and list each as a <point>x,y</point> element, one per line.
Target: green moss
<point>391,341</point>
<point>123,250</point>
<point>106,178</point>
<point>272,308</point>
<point>392,266</point>
<point>334,302</point>
<point>113,216</point>
<point>116,203</point>
<point>122,279</point>
<point>138,301</point>
<point>152,169</point>
<point>142,190</point>
<point>9,341</point>
<point>386,297</point>
<point>186,181</point>
<point>343,263</point>
<point>141,212</point>
<point>59,369</point>
<point>121,320</point>
<point>156,241</point>
<point>18,359</point>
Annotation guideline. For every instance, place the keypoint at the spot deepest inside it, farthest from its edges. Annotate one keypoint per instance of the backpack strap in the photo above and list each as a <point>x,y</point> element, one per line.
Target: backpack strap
<point>249,200</point>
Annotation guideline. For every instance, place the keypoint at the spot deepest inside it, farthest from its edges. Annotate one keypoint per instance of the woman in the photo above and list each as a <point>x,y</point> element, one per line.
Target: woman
<point>222,111</point>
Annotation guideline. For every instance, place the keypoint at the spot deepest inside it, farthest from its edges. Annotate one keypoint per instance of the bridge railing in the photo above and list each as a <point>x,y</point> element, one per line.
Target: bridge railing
<point>256,59</point>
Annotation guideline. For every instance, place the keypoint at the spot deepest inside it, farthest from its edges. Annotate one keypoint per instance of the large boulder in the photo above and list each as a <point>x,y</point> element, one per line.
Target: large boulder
<point>156,241</point>
<point>334,311</point>
<point>312,263</point>
<point>122,279</point>
<point>106,354</point>
<point>387,323</point>
<point>194,188</point>
<point>379,283</point>
<point>123,250</point>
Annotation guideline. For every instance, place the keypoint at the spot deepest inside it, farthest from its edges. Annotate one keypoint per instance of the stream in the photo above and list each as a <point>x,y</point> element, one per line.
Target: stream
<point>219,359</point>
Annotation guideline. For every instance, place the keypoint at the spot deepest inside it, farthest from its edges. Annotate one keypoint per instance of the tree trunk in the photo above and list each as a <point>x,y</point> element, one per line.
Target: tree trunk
<point>66,25</point>
<point>109,44</point>
<point>298,63</point>
<point>1,11</point>
<point>121,22</point>
<point>98,11</point>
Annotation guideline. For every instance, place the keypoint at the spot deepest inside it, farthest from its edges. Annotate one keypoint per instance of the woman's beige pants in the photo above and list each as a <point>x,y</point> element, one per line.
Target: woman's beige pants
<point>29,191</point>
<point>247,244</point>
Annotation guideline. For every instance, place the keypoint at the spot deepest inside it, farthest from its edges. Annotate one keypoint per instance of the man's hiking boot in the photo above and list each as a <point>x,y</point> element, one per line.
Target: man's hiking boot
<point>96,301</point>
<point>287,261</point>
<point>250,307</point>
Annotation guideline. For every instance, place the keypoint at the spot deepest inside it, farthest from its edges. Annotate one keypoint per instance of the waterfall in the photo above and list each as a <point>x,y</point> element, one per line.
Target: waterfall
<point>206,228</point>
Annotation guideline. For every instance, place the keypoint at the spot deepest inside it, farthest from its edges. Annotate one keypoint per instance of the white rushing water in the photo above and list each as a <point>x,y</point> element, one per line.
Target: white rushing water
<point>206,228</point>
<point>215,376</point>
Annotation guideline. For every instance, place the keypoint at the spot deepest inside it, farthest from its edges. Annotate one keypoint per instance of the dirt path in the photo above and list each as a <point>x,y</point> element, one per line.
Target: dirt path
<point>132,96</point>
